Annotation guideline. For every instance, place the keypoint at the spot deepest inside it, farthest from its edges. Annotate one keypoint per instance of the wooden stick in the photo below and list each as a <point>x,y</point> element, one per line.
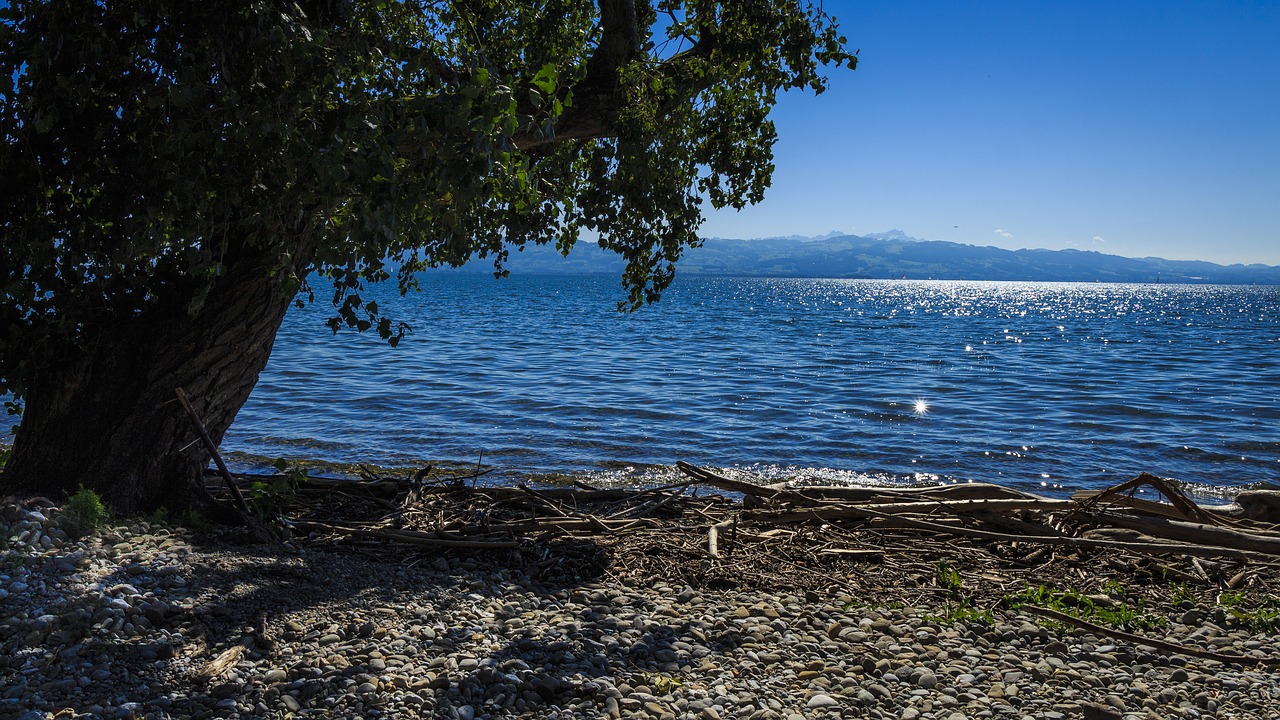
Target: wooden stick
<point>713,537</point>
<point>1189,532</point>
<point>958,507</point>
<point>854,552</point>
<point>1147,507</point>
<point>539,497</point>
<point>225,660</point>
<point>653,505</point>
<point>573,496</point>
<point>409,536</point>
<point>1152,548</point>
<point>1151,642</point>
<point>959,491</point>
<point>213,450</point>
<point>707,477</point>
<point>1177,500</point>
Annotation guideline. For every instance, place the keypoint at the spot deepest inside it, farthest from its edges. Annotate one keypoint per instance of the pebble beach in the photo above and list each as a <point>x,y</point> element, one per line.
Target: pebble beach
<point>124,623</point>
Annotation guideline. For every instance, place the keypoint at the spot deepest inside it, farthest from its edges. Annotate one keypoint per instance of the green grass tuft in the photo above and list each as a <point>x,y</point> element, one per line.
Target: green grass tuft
<point>1075,603</point>
<point>83,513</point>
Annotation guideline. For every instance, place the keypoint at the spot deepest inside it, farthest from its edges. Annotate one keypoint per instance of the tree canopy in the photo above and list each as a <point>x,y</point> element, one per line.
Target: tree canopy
<point>154,151</point>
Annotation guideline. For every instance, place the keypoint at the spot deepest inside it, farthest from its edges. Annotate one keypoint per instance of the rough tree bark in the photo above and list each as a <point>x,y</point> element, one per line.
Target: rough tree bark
<point>106,418</point>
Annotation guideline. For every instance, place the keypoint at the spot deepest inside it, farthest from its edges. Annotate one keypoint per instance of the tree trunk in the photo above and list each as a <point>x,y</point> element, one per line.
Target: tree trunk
<point>107,418</point>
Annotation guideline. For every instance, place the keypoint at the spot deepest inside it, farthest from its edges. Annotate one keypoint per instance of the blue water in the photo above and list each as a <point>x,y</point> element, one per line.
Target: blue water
<point>1042,386</point>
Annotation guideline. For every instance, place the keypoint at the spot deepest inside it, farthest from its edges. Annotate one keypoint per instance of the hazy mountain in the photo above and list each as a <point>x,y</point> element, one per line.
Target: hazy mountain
<point>802,238</point>
<point>892,235</point>
<point>895,254</point>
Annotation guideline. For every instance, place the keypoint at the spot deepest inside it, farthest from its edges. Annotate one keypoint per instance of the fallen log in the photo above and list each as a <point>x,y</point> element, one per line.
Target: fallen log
<point>1258,505</point>
<point>1183,531</point>
<point>924,506</point>
<point>959,491</point>
<point>1145,548</point>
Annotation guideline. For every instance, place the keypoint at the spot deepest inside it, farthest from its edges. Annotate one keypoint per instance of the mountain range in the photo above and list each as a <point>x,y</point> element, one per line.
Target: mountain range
<point>894,254</point>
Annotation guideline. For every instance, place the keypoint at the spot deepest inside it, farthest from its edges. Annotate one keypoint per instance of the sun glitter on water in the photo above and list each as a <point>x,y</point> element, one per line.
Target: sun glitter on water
<point>920,407</point>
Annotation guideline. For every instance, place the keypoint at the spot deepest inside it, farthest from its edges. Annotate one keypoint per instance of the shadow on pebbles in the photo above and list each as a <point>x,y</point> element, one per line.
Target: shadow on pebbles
<point>132,621</point>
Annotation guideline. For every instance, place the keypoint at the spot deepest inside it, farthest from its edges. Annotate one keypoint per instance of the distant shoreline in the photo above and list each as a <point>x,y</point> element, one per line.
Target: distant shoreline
<point>869,258</point>
<point>731,275</point>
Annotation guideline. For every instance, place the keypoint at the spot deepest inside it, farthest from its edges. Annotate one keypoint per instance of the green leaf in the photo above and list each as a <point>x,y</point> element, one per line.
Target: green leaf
<point>545,79</point>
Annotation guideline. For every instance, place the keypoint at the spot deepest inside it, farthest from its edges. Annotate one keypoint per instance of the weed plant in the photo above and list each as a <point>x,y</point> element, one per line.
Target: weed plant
<point>1259,616</point>
<point>83,513</point>
<point>1075,603</point>
<point>948,578</point>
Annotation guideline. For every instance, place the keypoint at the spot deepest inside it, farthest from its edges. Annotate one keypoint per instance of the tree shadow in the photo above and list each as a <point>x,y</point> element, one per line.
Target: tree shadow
<point>186,612</point>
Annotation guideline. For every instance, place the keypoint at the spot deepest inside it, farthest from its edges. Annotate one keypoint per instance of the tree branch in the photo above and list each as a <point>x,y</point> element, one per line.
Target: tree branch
<point>597,97</point>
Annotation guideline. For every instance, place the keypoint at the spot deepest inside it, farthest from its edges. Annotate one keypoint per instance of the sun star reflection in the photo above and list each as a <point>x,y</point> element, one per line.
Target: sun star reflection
<point>921,407</point>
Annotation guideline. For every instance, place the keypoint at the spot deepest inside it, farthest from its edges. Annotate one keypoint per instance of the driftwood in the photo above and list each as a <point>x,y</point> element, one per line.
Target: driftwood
<point>451,514</point>
<point>225,660</point>
<point>959,491</point>
<point>212,448</point>
<point>405,536</point>
<point>723,530</point>
<point>1128,502</point>
<point>747,489</point>
<point>923,506</point>
<point>1198,533</point>
<point>1177,500</point>
<point>713,537</point>
<point>1259,505</point>
<point>1151,548</point>
<point>1179,649</point>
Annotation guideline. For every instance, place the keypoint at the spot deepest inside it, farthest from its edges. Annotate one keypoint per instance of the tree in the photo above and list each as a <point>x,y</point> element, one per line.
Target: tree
<point>176,174</point>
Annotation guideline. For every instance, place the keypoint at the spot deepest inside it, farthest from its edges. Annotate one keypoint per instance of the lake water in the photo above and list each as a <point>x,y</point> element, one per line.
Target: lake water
<point>1048,387</point>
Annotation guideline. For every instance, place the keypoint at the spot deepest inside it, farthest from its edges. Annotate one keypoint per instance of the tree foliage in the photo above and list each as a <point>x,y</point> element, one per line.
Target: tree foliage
<point>149,143</point>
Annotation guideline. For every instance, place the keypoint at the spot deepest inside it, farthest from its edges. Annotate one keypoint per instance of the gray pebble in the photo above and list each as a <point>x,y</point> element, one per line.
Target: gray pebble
<point>821,700</point>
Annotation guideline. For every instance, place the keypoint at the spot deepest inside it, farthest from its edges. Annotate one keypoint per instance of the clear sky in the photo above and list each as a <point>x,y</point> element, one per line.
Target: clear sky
<point>1131,128</point>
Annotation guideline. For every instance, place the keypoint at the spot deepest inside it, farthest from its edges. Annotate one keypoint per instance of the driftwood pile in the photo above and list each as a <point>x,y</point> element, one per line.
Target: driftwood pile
<point>874,544</point>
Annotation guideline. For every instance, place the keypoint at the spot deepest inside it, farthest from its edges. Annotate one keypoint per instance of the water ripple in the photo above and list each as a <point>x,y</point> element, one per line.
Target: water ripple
<point>851,381</point>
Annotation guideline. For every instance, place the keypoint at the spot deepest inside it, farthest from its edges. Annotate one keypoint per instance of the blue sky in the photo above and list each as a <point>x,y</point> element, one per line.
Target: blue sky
<point>1131,128</point>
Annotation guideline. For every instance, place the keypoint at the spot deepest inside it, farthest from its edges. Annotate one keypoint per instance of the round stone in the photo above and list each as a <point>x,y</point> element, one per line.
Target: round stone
<point>822,700</point>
